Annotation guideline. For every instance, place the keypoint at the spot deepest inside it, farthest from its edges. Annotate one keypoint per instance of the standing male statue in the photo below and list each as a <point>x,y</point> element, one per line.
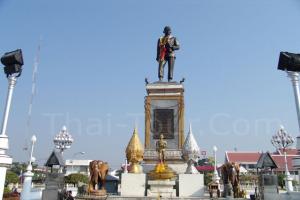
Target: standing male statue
<point>161,146</point>
<point>166,47</point>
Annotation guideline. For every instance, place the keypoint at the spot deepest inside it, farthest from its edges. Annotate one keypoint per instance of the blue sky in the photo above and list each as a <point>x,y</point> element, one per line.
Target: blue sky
<point>95,55</point>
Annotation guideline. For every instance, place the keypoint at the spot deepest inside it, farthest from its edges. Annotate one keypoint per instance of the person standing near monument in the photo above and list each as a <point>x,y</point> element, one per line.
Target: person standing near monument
<point>166,47</point>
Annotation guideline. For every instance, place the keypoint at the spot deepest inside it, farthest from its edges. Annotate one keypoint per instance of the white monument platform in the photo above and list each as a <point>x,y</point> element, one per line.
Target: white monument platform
<point>191,185</point>
<point>133,184</point>
<point>163,188</point>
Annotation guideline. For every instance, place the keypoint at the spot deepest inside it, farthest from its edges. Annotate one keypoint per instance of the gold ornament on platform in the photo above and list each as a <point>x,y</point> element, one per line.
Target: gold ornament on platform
<point>135,153</point>
<point>161,170</point>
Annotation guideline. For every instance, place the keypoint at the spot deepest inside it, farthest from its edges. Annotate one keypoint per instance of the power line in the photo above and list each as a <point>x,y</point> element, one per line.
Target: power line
<point>33,92</point>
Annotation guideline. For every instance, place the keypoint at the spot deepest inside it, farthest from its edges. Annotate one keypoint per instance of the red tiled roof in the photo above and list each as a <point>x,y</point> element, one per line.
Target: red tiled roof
<point>288,151</point>
<point>242,157</point>
<point>279,159</point>
<point>252,157</point>
<point>205,168</point>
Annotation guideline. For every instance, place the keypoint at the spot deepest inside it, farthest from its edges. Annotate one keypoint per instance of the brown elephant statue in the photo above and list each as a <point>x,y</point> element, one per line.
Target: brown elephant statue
<point>231,174</point>
<point>98,172</point>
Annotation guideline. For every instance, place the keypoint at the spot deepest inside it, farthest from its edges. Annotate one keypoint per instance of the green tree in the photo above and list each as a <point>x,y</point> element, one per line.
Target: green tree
<point>295,182</point>
<point>75,178</point>
<point>6,190</point>
<point>11,177</point>
<point>18,168</point>
<point>248,179</point>
<point>280,178</point>
<point>206,161</point>
<point>211,161</point>
<point>38,177</point>
<point>207,177</point>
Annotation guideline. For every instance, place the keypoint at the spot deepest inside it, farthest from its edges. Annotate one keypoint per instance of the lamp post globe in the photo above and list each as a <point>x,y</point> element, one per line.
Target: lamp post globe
<point>215,149</point>
<point>63,140</point>
<point>33,139</point>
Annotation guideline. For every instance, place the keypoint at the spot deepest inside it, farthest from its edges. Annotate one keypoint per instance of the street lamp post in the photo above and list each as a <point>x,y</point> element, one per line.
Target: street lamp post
<point>63,140</point>
<point>216,177</point>
<point>25,195</point>
<point>294,76</point>
<point>290,63</point>
<point>282,140</point>
<point>13,62</point>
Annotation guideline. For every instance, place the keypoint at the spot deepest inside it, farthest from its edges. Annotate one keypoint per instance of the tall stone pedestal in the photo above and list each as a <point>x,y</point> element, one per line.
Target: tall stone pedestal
<point>133,185</point>
<point>191,185</point>
<point>54,185</point>
<point>164,114</point>
<point>270,193</point>
<point>268,186</point>
<point>163,188</point>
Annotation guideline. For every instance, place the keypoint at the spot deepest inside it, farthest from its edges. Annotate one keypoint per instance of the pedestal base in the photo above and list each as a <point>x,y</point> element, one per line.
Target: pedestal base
<point>161,172</point>
<point>191,185</point>
<point>179,168</point>
<point>98,193</point>
<point>133,185</point>
<point>25,194</point>
<point>289,183</point>
<point>270,192</point>
<point>50,194</point>
<point>227,192</point>
<point>54,184</point>
<point>163,188</point>
<point>5,161</point>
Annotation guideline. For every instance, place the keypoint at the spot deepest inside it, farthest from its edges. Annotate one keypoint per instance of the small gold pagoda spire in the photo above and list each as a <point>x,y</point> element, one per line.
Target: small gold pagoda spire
<point>135,153</point>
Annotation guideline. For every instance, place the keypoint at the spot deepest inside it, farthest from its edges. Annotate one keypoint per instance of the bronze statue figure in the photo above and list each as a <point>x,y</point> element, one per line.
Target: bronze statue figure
<point>161,146</point>
<point>161,170</point>
<point>166,47</point>
<point>98,171</point>
<point>231,174</point>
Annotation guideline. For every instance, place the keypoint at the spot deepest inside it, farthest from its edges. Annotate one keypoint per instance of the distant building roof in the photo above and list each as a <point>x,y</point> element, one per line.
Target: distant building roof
<point>242,157</point>
<point>266,161</point>
<point>253,157</point>
<point>78,162</point>
<point>279,160</point>
<point>55,158</point>
<point>288,152</point>
<point>205,168</point>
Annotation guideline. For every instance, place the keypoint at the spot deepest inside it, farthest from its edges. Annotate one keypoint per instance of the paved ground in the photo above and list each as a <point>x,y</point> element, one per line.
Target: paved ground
<point>143,198</point>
